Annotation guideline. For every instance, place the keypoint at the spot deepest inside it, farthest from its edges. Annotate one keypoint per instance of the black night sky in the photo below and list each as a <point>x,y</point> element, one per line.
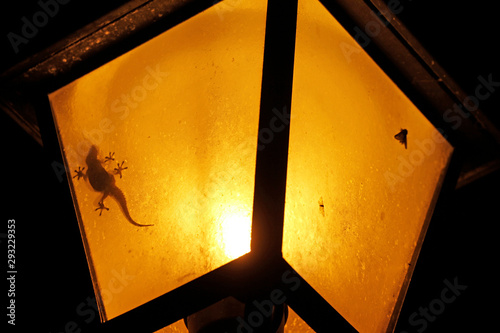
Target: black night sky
<point>460,247</point>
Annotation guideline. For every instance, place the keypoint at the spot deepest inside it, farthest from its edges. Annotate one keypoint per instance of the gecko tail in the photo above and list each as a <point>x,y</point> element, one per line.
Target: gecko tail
<point>118,195</point>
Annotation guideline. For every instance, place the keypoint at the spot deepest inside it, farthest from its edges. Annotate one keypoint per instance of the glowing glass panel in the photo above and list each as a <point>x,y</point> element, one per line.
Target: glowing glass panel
<point>181,111</point>
<point>357,201</point>
<point>295,324</point>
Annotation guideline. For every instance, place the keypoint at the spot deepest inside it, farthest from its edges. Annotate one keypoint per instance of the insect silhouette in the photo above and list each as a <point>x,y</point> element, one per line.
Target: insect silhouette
<point>321,206</point>
<point>401,137</point>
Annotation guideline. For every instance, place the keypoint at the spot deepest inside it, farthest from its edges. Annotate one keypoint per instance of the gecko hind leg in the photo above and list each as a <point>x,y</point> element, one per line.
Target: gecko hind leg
<point>101,207</point>
<point>101,203</point>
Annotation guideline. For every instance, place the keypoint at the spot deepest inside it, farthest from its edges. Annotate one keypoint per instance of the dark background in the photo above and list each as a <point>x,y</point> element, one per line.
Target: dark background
<point>53,279</point>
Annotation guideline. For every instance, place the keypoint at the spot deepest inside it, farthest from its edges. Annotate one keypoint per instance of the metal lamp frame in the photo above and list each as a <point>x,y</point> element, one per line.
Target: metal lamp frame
<point>264,270</point>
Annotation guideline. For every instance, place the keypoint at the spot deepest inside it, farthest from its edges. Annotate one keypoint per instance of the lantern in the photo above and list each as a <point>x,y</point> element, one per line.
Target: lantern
<point>240,157</point>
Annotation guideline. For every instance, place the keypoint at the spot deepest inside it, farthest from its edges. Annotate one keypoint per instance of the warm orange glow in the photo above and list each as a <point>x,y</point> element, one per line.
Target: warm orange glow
<point>357,201</point>
<point>236,228</point>
<point>181,111</point>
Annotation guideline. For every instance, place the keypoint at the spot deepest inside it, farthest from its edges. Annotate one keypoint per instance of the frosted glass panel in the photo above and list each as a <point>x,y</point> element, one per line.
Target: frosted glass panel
<point>357,199</point>
<point>174,125</point>
<point>295,324</point>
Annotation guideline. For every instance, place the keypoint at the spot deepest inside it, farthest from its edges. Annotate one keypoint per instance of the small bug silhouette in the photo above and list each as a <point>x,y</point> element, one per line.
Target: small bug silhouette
<point>321,206</point>
<point>401,137</point>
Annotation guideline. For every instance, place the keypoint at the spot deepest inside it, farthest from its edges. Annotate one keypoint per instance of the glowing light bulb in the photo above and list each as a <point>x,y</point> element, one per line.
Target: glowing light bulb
<point>235,233</point>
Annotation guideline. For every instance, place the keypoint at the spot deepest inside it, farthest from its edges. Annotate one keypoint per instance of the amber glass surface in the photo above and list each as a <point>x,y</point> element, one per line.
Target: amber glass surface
<point>181,112</point>
<point>357,200</point>
<point>295,324</point>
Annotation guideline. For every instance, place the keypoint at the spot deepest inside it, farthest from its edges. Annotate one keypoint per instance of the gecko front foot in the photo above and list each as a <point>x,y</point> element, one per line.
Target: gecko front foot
<point>79,173</point>
<point>110,157</point>
<point>119,168</point>
<point>101,207</point>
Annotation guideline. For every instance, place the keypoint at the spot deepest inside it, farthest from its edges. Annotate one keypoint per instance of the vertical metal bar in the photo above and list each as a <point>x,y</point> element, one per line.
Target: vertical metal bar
<point>272,154</point>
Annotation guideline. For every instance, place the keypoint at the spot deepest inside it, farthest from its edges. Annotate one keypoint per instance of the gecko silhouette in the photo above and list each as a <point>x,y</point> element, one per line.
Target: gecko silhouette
<point>103,181</point>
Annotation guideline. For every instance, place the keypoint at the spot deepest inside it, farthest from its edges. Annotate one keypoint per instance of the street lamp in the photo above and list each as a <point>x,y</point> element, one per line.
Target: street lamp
<point>250,157</point>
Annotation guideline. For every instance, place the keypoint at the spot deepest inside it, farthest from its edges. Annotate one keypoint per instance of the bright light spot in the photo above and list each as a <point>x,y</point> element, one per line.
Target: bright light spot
<point>236,232</point>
